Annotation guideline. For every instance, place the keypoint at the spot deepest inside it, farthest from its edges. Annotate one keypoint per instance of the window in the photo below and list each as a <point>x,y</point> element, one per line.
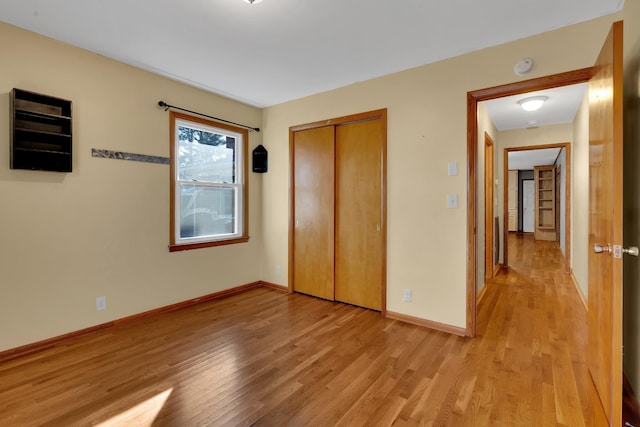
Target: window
<point>208,183</point>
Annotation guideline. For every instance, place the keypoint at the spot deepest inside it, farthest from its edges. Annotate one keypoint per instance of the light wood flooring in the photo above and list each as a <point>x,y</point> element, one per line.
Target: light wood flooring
<point>268,358</point>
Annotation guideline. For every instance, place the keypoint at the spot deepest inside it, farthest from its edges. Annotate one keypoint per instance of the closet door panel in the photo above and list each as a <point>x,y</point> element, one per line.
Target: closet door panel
<point>359,214</point>
<point>313,237</point>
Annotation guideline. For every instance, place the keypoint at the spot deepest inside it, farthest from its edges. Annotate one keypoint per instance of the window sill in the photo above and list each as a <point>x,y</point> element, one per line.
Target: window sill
<point>187,247</point>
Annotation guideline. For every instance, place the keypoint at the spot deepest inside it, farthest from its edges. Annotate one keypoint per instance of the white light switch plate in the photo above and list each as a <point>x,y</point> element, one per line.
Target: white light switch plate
<point>452,201</point>
<point>452,168</point>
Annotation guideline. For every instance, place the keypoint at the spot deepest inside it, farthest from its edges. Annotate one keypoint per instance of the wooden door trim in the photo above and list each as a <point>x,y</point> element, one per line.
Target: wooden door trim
<point>473,98</point>
<point>489,243</point>
<point>567,199</point>
<point>380,114</point>
<point>353,118</point>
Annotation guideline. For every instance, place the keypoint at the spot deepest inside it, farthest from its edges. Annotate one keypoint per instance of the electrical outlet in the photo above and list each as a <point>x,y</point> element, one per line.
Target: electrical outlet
<point>101,303</point>
<point>278,270</point>
<point>406,295</point>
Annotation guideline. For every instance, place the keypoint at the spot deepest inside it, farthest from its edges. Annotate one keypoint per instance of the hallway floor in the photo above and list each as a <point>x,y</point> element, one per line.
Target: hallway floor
<point>535,317</point>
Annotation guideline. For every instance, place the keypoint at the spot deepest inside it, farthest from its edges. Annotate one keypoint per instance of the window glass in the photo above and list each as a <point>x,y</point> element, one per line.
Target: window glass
<point>208,176</point>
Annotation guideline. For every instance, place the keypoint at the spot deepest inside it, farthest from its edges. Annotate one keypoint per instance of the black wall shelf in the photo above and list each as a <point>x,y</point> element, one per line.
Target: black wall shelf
<point>41,128</point>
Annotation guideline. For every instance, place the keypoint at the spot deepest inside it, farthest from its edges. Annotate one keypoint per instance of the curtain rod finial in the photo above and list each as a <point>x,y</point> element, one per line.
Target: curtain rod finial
<point>164,105</point>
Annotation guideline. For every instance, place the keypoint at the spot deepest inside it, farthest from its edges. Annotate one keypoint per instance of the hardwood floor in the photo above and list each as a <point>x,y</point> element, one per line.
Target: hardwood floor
<point>271,359</point>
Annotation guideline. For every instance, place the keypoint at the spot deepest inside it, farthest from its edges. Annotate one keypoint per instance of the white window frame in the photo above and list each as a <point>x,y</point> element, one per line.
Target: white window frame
<point>239,187</point>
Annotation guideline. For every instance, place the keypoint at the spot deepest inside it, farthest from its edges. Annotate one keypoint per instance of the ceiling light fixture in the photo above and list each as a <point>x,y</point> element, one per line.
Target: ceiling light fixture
<point>253,1</point>
<point>532,103</point>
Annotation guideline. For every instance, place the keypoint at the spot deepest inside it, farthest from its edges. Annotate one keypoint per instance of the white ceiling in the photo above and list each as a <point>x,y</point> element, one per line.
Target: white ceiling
<point>561,107</point>
<point>279,50</point>
<point>527,159</point>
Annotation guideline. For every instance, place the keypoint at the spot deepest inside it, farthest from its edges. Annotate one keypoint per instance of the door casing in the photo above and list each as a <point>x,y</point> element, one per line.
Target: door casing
<point>489,243</point>
<point>568,190</point>
<point>473,98</point>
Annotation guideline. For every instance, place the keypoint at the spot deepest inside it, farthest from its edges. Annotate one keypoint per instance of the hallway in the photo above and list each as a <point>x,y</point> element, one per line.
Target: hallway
<point>538,324</point>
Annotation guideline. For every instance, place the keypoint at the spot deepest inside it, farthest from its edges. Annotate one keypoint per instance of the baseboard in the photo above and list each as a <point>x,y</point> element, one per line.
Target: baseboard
<point>481,294</point>
<point>25,350</point>
<point>442,327</point>
<point>580,294</point>
<point>631,406</point>
<point>497,269</point>
<point>274,286</point>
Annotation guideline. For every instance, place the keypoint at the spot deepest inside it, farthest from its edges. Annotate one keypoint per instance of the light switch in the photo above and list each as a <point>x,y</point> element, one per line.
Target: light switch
<point>453,168</point>
<point>452,201</point>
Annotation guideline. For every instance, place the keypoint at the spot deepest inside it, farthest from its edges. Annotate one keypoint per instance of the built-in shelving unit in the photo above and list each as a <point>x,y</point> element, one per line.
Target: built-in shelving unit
<point>545,212</point>
<point>40,132</point>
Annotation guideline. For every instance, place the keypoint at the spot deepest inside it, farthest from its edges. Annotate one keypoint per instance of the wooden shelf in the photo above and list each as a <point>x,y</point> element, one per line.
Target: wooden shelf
<point>545,206</point>
<point>41,132</point>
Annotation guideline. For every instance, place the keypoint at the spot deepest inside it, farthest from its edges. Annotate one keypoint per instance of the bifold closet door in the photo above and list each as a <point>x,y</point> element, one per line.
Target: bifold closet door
<point>358,257</point>
<point>314,201</point>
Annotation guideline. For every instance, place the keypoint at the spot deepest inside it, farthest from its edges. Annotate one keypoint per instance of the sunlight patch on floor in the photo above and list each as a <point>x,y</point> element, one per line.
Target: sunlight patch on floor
<point>142,415</point>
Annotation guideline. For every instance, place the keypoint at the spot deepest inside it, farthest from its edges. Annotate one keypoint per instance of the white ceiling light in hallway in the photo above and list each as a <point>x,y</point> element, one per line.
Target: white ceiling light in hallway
<point>532,103</point>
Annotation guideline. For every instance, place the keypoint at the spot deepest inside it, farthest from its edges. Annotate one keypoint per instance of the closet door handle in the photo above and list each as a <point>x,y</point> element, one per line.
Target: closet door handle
<point>378,227</point>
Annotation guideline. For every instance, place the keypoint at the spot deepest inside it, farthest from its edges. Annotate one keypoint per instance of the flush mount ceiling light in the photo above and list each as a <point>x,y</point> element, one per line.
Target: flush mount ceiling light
<point>253,1</point>
<point>532,103</point>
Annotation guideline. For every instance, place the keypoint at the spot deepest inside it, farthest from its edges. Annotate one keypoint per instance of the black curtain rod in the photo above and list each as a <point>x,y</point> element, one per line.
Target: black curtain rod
<point>167,106</point>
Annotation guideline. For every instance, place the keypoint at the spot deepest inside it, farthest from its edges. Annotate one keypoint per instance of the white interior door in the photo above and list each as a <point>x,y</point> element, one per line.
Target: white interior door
<point>528,209</point>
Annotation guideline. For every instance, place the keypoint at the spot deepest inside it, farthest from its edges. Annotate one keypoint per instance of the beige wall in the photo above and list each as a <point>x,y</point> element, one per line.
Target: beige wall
<point>104,228</point>
<point>426,129</point>
<point>580,197</point>
<point>631,192</point>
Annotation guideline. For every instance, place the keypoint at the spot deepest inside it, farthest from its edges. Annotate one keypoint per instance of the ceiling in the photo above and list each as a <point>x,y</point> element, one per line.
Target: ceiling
<point>278,50</point>
<point>560,107</point>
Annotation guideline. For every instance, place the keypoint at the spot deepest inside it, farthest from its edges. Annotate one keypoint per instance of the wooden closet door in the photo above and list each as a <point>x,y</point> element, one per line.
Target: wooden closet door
<point>359,234</point>
<point>313,237</point>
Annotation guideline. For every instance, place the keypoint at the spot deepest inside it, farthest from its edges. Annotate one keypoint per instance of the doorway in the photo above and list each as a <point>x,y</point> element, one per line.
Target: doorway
<point>561,160</point>
<point>473,98</point>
